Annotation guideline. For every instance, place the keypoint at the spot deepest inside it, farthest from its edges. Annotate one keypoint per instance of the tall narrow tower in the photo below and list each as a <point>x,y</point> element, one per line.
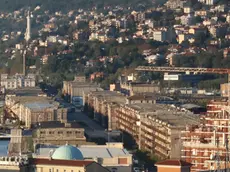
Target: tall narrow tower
<point>27,38</point>
<point>28,28</point>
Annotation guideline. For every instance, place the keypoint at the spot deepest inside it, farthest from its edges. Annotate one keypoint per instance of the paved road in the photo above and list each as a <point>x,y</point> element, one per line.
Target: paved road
<point>93,130</point>
<point>81,117</point>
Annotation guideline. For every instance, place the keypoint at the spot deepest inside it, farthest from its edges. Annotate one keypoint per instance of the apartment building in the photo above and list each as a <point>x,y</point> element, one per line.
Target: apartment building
<point>204,144</point>
<point>188,9</point>
<point>228,18</point>
<point>33,109</point>
<point>132,88</point>
<point>73,90</point>
<point>224,89</point>
<point>138,16</point>
<point>173,4</point>
<point>18,81</point>
<point>210,2</point>
<point>160,35</point>
<point>58,133</point>
<point>156,128</point>
<point>218,31</point>
<point>101,105</point>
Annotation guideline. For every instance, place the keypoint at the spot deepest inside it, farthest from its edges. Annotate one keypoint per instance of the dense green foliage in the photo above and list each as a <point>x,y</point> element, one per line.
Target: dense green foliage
<point>56,5</point>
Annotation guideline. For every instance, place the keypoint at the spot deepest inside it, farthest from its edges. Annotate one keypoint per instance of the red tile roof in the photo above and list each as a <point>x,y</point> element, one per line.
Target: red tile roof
<point>77,163</point>
<point>171,162</point>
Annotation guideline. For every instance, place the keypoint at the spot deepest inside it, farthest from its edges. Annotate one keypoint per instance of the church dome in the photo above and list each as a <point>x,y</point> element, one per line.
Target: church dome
<point>67,152</point>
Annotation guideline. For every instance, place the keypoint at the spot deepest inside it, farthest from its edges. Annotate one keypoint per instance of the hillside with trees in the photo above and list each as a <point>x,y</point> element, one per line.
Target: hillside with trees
<point>60,5</point>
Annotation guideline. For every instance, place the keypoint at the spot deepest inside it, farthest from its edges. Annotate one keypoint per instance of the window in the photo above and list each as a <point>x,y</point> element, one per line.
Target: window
<point>194,152</point>
<point>57,170</point>
<point>205,164</point>
<point>194,162</point>
<point>206,152</point>
<point>50,170</point>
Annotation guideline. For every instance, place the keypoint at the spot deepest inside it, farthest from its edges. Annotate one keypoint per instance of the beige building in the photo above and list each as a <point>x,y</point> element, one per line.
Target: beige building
<point>73,90</point>
<point>14,164</point>
<point>224,89</point>
<point>112,156</point>
<point>57,133</point>
<point>18,81</point>
<point>65,158</point>
<point>173,165</point>
<point>136,88</point>
<point>100,106</point>
<point>55,165</point>
<point>33,109</point>
<point>21,142</point>
<point>156,128</point>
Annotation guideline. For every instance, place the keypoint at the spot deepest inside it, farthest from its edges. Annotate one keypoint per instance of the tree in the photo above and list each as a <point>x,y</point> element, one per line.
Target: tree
<point>200,38</point>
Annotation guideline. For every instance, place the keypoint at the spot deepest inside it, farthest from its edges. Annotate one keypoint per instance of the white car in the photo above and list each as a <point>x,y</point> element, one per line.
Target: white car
<point>135,161</point>
<point>136,169</point>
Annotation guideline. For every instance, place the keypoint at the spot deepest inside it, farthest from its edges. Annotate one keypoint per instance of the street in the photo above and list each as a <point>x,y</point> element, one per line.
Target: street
<point>79,116</point>
<point>92,128</point>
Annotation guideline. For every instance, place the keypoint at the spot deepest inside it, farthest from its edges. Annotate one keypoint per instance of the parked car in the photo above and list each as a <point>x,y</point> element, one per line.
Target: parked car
<point>136,169</point>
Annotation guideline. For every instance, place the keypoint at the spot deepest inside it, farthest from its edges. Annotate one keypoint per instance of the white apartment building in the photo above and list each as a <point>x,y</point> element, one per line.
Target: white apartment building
<point>210,2</point>
<point>228,18</point>
<point>18,81</point>
<point>160,35</point>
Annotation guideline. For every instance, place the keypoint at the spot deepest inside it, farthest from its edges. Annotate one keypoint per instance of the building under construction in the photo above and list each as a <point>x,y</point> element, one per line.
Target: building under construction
<point>206,145</point>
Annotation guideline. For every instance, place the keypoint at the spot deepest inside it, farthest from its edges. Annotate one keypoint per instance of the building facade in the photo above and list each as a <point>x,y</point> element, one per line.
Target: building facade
<point>33,109</point>
<point>173,166</point>
<point>57,133</point>
<point>136,88</point>
<point>112,156</point>
<point>18,81</point>
<point>101,104</point>
<point>73,90</point>
<point>20,142</point>
<point>154,128</point>
<point>14,164</point>
<point>209,140</point>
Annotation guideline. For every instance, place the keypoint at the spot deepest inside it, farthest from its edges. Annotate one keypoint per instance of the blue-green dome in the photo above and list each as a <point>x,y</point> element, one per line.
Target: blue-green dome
<point>67,152</point>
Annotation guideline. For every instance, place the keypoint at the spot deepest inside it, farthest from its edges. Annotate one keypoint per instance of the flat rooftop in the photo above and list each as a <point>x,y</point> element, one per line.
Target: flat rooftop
<point>109,96</point>
<point>35,103</point>
<point>166,113</point>
<point>30,99</point>
<point>57,124</point>
<point>102,152</point>
<point>90,152</point>
<point>149,96</point>
<point>37,106</point>
<point>26,91</point>
<point>77,83</point>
